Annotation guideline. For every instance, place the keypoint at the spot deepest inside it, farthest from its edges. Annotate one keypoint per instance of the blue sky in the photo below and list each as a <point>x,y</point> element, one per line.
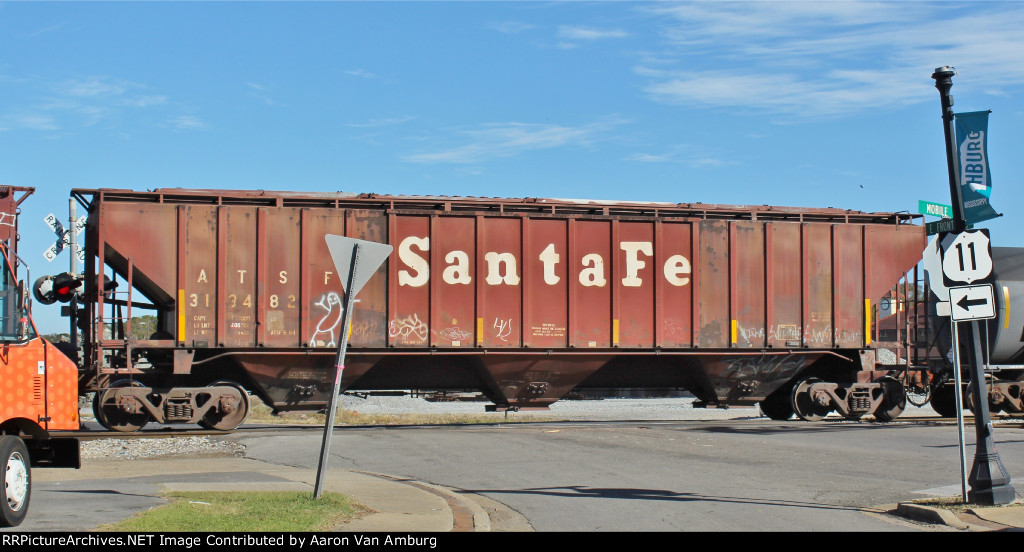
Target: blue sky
<point>812,104</point>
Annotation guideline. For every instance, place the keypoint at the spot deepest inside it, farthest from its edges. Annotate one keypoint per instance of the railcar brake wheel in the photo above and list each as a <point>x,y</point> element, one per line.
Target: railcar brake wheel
<point>231,413</point>
<point>17,488</point>
<point>894,400</point>
<point>804,405</point>
<point>112,416</point>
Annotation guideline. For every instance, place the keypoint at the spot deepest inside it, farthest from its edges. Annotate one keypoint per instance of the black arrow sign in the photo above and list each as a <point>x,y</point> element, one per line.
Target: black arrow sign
<point>966,304</point>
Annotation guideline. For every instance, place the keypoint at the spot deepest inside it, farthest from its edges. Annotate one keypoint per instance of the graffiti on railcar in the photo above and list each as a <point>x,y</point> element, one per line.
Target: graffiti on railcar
<point>409,328</point>
<point>333,309</point>
<point>762,367</point>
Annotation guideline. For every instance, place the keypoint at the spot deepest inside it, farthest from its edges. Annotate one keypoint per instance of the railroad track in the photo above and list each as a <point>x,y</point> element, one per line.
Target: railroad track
<point>161,433</point>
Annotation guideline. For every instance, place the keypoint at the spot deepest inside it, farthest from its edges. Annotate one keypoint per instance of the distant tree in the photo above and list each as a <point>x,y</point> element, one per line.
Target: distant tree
<point>57,337</point>
<point>143,327</point>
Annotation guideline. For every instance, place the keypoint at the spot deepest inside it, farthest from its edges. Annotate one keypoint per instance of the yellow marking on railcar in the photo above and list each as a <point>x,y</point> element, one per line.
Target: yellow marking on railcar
<point>867,322</point>
<point>181,315</point>
<point>1006,307</point>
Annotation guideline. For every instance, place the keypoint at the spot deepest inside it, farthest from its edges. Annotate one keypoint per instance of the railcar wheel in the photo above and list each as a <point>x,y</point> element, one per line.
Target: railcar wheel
<point>993,407</point>
<point>17,489</point>
<point>112,416</point>
<point>944,401</point>
<point>232,411</point>
<point>894,400</point>
<point>804,405</point>
<point>777,406</point>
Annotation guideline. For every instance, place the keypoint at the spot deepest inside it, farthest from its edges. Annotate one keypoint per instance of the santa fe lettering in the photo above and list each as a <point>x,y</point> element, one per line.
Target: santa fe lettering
<point>501,266</point>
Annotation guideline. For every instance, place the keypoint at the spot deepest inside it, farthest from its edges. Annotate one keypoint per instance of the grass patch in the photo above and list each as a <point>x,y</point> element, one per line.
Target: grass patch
<point>954,504</point>
<point>260,413</point>
<point>244,511</point>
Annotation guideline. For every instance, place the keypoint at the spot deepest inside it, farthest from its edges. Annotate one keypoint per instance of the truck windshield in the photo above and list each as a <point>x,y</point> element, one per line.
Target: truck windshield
<point>11,311</point>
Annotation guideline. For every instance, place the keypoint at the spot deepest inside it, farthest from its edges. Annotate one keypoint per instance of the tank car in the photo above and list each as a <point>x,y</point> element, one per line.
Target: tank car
<point>1002,340</point>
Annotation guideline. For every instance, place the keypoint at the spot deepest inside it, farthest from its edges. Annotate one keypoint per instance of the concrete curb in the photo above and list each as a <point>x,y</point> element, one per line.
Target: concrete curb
<point>467,515</point>
<point>929,514</point>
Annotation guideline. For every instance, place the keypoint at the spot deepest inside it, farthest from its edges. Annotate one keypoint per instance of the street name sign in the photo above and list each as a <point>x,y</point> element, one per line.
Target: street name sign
<point>944,225</point>
<point>938,209</point>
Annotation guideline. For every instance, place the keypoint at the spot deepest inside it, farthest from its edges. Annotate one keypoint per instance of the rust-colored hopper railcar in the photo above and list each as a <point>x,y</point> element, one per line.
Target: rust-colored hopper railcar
<point>521,299</point>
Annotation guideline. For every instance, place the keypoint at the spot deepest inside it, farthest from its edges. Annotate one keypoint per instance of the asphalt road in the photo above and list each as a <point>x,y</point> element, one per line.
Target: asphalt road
<point>707,475</point>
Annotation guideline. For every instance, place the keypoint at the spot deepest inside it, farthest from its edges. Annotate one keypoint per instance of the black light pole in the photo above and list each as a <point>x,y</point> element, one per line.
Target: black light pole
<point>989,480</point>
<point>944,81</point>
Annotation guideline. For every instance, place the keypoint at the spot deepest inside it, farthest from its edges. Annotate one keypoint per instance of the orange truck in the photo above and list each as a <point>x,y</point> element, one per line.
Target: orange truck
<point>38,383</point>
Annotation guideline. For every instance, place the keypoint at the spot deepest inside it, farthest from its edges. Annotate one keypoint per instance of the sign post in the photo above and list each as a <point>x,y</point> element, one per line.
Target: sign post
<point>356,261</point>
<point>966,269</point>
<point>958,396</point>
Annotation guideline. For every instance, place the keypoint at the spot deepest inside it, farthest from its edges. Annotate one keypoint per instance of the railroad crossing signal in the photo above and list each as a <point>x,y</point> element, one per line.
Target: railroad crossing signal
<point>64,237</point>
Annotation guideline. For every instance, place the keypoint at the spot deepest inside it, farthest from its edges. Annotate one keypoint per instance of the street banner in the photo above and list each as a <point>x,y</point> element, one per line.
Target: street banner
<point>972,154</point>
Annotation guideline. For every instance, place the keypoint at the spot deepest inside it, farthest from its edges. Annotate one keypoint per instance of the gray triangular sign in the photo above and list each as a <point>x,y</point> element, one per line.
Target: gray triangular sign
<point>371,256</point>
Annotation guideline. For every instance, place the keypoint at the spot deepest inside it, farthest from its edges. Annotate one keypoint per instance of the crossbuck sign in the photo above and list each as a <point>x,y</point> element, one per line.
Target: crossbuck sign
<point>64,238</point>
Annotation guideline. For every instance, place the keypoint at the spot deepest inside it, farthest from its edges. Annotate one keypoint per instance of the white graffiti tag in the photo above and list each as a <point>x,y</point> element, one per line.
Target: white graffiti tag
<point>455,334</point>
<point>409,327</point>
<point>330,302</point>
<point>504,328</point>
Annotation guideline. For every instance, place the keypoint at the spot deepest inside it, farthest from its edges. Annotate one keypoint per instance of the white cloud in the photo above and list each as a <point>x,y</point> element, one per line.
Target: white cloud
<point>31,122</point>
<point>361,73</point>
<point>682,154</point>
<point>187,122</point>
<point>49,29</point>
<point>87,102</point>
<point>814,59</point>
<point>144,101</point>
<point>496,140</point>
<point>570,32</point>
<point>95,86</point>
<point>262,93</point>
<point>648,158</point>
<point>374,123</point>
<point>512,27</point>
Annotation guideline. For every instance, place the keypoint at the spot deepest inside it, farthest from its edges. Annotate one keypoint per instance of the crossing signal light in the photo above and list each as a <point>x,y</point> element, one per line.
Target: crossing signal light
<point>51,289</point>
